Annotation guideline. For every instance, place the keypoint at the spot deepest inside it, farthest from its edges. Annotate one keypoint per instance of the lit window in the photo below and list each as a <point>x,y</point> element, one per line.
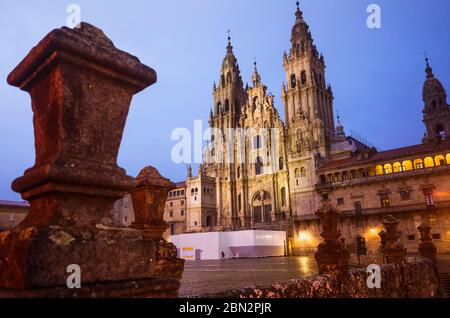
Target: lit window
<point>385,200</point>
<point>429,198</point>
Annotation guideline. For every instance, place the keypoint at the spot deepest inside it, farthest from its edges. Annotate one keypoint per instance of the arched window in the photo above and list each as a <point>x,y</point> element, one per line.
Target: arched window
<point>354,174</point>
<point>407,165</point>
<point>387,168</point>
<point>238,172</point>
<point>219,107</point>
<point>440,132</point>
<point>239,202</point>
<point>433,104</point>
<point>227,105</point>
<point>257,142</point>
<point>439,160</point>
<point>297,176</point>
<point>255,100</point>
<point>379,170</point>
<point>330,178</point>
<point>418,164</point>
<point>259,165</point>
<point>303,172</point>
<point>303,77</point>
<point>222,79</point>
<point>397,167</point>
<point>281,163</point>
<point>323,179</point>
<point>429,162</point>
<point>262,207</point>
<point>293,81</point>
<point>283,197</point>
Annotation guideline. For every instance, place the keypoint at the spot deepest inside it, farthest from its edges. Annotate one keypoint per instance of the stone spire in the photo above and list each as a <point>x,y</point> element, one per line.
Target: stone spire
<point>229,94</point>
<point>339,128</point>
<point>256,78</point>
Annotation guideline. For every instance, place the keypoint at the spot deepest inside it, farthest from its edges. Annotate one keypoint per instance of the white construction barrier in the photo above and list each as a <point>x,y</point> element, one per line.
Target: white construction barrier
<point>239,244</point>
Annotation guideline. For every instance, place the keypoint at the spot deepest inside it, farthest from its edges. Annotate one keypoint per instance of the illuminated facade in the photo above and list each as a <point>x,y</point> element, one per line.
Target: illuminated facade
<point>314,160</point>
<point>317,160</point>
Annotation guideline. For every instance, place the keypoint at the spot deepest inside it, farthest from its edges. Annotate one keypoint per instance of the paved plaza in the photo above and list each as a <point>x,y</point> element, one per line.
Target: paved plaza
<point>202,277</point>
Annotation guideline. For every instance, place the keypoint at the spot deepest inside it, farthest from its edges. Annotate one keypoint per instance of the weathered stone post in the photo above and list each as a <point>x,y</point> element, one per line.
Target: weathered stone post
<point>393,251</point>
<point>149,197</point>
<point>331,256</point>
<point>81,87</point>
<point>427,249</point>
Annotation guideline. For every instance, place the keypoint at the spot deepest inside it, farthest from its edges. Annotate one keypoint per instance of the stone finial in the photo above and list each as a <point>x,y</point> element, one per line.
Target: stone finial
<point>427,249</point>
<point>81,87</point>
<point>149,197</point>
<point>332,257</point>
<point>393,251</point>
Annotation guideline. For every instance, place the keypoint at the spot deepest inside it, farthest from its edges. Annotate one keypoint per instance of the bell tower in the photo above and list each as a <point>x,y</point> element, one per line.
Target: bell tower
<point>436,112</point>
<point>229,95</point>
<point>308,102</point>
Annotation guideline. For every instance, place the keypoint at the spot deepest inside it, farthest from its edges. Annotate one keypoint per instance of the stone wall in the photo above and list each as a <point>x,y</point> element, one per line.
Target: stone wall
<point>415,279</point>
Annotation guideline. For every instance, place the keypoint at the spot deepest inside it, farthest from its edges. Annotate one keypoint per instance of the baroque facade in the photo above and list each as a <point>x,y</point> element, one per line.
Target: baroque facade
<point>277,175</point>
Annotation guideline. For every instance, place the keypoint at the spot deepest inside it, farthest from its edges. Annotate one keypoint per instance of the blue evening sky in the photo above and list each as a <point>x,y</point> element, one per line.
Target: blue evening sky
<point>376,75</point>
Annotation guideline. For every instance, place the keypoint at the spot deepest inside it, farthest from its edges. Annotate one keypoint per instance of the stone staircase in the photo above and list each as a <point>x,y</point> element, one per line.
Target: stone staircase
<point>445,284</point>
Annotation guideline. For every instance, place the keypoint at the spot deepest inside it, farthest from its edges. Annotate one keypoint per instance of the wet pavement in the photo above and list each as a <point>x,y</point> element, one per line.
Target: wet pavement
<point>202,277</point>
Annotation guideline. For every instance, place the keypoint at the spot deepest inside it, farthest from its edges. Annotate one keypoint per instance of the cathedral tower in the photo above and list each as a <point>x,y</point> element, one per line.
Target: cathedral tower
<point>308,103</point>
<point>309,119</point>
<point>229,94</point>
<point>436,113</point>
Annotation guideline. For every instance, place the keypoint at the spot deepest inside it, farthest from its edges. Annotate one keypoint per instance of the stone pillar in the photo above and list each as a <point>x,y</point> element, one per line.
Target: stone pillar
<point>427,249</point>
<point>393,251</point>
<point>149,198</point>
<point>331,256</point>
<point>383,241</point>
<point>81,87</point>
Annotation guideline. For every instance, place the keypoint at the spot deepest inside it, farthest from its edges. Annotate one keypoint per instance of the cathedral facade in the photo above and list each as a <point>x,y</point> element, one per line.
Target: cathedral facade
<point>262,172</point>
